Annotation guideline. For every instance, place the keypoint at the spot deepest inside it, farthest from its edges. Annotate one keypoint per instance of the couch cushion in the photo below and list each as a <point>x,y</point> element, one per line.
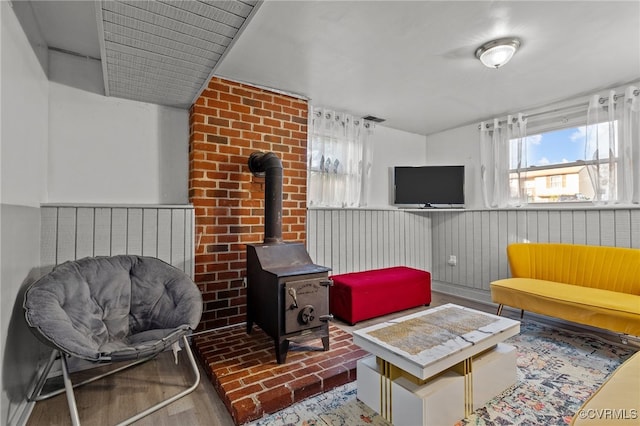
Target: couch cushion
<point>607,268</point>
<point>617,402</point>
<point>592,306</point>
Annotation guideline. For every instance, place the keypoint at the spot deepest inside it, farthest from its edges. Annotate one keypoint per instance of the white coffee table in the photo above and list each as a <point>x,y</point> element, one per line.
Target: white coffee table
<point>435,366</point>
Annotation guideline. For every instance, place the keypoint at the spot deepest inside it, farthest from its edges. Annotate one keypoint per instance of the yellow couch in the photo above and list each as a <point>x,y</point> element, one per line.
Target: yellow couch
<point>593,285</point>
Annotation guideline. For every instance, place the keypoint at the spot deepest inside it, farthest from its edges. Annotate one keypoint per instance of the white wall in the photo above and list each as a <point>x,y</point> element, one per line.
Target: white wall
<point>392,148</point>
<point>24,116</point>
<point>459,146</point>
<point>479,238</point>
<point>63,141</point>
<point>76,71</point>
<point>105,150</point>
<point>375,236</point>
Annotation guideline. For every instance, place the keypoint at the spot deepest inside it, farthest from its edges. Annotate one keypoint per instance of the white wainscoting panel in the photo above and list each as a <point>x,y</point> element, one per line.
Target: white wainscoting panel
<point>352,240</point>
<point>74,232</point>
<point>355,240</point>
<point>479,239</point>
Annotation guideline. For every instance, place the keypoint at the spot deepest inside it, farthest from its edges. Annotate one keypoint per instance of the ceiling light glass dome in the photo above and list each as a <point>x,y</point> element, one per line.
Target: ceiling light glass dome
<point>496,53</point>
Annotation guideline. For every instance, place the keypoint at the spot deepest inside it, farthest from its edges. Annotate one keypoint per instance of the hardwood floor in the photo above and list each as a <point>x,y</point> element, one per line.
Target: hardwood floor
<point>117,397</point>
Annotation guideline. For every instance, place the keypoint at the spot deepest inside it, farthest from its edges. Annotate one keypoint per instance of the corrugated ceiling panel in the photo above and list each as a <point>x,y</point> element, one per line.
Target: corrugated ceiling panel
<point>186,16</point>
<point>125,23</point>
<point>151,65</point>
<point>178,63</point>
<point>140,15</point>
<point>240,8</point>
<point>166,77</point>
<point>155,87</point>
<point>164,82</point>
<point>150,93</point>
<point>166,48</point>
<point>164,51</point>
<point>160,82</point>
<point>210,11</point>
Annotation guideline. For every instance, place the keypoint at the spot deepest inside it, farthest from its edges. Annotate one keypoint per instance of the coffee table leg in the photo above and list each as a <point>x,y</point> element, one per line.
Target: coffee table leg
<point>467,367</point>
<point>388,374</point>
<point>403,399</point>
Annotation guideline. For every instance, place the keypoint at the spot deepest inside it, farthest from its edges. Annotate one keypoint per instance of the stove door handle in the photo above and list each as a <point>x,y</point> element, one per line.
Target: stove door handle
<point>326,283</point>
<point>292,293</point>
<point>326,318</point>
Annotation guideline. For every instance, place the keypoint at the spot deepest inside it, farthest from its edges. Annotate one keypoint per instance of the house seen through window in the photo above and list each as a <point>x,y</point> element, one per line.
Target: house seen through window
<point>556,167</point>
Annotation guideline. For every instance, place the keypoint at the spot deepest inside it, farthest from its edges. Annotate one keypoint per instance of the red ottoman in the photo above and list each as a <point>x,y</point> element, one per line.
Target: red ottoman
<point>362,295</point>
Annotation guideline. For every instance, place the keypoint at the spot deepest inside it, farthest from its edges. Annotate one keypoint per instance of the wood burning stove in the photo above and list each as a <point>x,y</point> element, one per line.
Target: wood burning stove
<point>287,294</point>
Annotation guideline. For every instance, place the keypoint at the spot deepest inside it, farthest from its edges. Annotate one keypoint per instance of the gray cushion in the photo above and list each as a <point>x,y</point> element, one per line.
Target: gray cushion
<point>112,308</point>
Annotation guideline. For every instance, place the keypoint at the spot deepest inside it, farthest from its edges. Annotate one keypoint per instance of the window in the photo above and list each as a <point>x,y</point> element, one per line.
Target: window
<point>338,159</point>
<point>328,175</point>
<point>555,181</point>
<point>557,164</point>
<point>595,151</point>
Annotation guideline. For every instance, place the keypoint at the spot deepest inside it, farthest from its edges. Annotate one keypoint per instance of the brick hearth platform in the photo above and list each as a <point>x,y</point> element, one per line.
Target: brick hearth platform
<point>244,371</point>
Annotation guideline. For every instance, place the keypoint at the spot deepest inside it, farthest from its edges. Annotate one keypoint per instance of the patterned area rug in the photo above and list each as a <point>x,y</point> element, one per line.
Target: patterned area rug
<point>557,371</point>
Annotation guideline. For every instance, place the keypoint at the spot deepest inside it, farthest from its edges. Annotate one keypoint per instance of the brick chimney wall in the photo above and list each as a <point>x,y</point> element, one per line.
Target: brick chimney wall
<point>227,123</point>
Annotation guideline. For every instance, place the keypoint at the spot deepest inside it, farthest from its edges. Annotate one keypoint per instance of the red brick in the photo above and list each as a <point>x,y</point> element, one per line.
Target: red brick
<point>248,117</point>
<point>264,96</point>
<point>275,399</point>
<point>215,103</point>
<point>282,101</point>
<point>278,380</point>
<point>242,109</point>
<point>244,392</point>
<point>230,98</point>
<point>252,102</point>
<point>228,365</point>
<point>305,387</point>
<point>228,114</point>
<point>334,377</point>
<point>245,410</point>
<point>309,369</point>
<point>241,92</point>
<point>241,125</point>
<point>216,85</point>
<point>261,112</point>
<point>221,115</point>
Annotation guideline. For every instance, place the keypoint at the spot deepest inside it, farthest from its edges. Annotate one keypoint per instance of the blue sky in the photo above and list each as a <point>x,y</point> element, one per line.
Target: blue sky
<point>561,146</point>
<point>568,145</point>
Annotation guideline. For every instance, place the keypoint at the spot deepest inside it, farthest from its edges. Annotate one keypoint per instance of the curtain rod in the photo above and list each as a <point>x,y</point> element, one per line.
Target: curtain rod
<point>601,101</point>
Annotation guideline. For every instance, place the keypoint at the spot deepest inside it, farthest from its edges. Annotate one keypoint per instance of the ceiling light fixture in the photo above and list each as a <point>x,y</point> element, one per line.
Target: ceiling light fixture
<point>496,53</point>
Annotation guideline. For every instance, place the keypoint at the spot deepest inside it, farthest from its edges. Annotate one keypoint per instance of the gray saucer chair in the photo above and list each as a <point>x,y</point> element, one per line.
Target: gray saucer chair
<point>111,309</point>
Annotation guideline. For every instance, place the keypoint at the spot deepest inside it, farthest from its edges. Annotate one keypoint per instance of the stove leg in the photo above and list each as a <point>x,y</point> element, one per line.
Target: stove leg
<point>325,343</point>
<point>249,323</point>
<point>281,351</point>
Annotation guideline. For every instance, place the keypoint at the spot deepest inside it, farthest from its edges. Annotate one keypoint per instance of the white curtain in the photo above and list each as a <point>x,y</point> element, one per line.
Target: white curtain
<point>339,159</point>
<point>630,141</point>
<point>503,158</point>
<point>612,148</point>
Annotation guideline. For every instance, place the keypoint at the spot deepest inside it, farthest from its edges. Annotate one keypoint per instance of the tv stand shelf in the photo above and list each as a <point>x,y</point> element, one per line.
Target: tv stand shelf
<point>434,209</point>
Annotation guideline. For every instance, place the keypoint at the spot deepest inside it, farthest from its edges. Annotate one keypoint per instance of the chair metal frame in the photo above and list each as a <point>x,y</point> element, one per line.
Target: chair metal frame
<point>69,386</point>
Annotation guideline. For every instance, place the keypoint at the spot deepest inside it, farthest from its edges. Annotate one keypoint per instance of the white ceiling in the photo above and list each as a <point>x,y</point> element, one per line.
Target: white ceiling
<point>409,62</point>
<point>160,52</point>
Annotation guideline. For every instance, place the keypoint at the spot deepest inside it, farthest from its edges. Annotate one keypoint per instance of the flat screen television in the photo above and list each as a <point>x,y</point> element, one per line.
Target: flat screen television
<point>428,186</point>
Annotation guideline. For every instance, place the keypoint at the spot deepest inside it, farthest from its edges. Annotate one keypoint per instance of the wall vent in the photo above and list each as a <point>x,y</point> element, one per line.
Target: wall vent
<point>373,118</point>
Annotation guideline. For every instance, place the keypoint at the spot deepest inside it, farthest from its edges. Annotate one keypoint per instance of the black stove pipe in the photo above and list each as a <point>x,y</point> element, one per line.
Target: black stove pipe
<point>269,165</point>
